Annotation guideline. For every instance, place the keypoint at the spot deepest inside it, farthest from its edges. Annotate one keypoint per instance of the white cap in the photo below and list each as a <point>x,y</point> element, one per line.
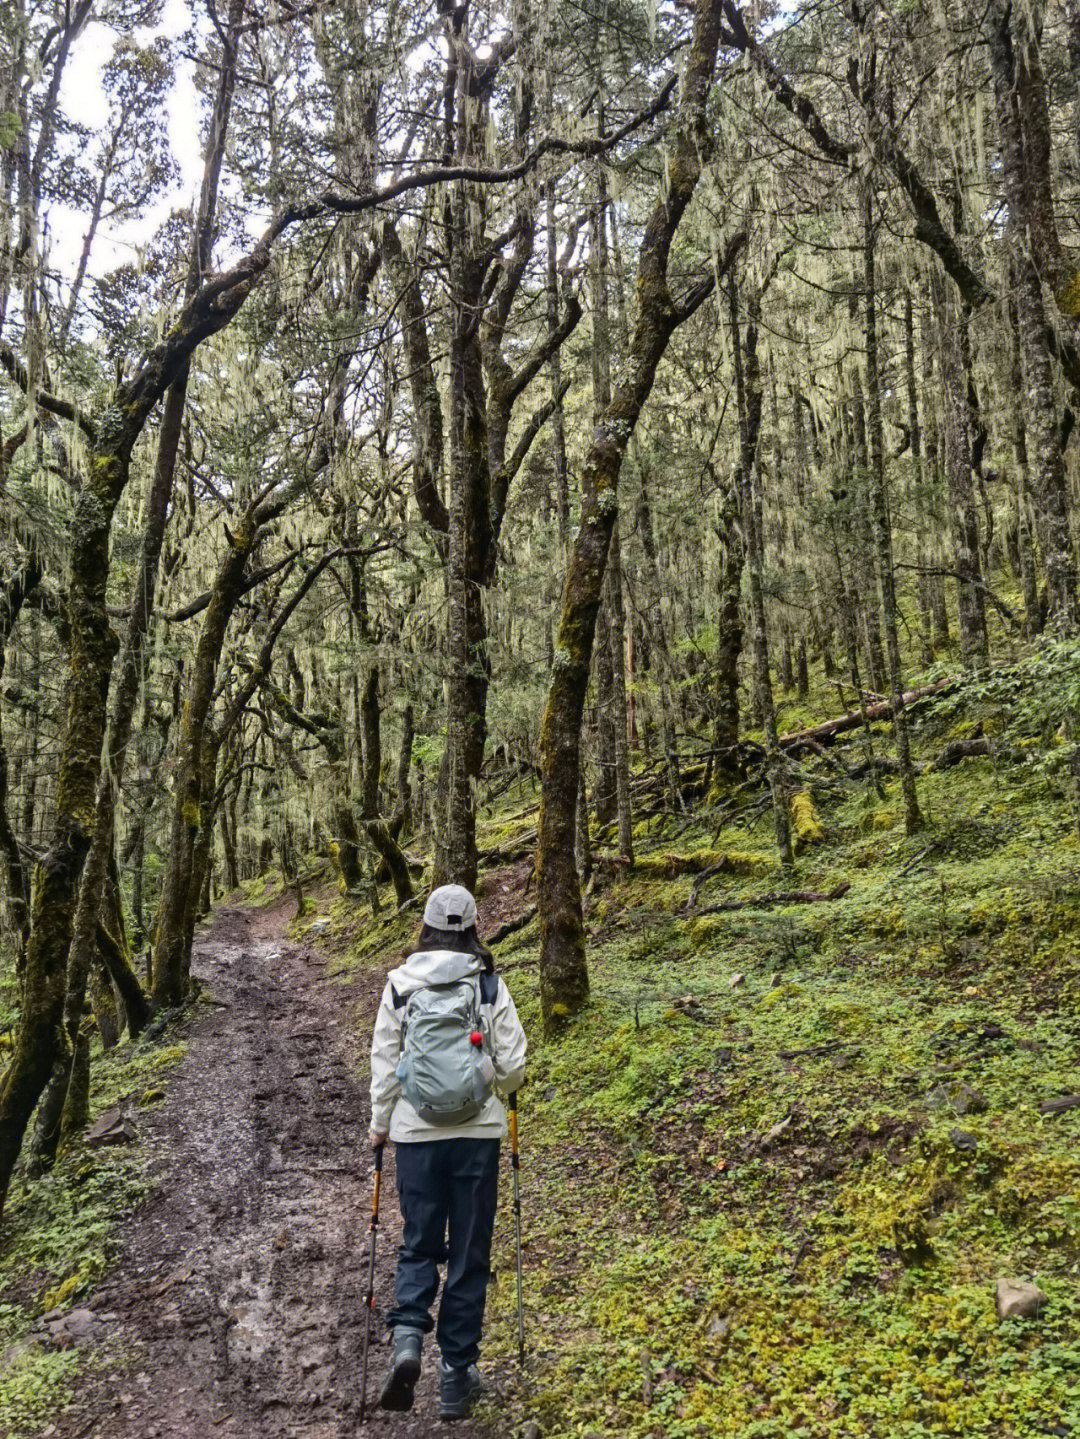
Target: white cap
<point>451,907</point>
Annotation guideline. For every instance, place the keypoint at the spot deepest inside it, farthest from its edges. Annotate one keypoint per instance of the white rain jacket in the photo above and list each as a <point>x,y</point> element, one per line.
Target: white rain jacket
<point>504,1041</point>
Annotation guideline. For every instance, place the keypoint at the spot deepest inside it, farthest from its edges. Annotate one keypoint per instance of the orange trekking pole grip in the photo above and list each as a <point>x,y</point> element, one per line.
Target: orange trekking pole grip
<point>515,1162</point>
<point>369,1300</point>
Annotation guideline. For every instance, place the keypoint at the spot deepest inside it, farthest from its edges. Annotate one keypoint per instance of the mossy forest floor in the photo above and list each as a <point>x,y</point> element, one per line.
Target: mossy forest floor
<point>773,1172</point>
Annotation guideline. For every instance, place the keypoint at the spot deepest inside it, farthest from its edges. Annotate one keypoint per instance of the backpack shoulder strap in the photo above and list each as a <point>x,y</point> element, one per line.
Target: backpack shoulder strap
<point>489,988</point>
<point>398,999</point>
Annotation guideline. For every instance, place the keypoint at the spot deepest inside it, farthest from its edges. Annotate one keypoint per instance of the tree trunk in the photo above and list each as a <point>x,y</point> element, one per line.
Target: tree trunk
<point>659,651</point>
<point>81,952</point>
<point>171,955</point>
<point>913,820</point>
<point>470,486</point>
<point>103,1000</point>
<point>617,645</point>
<point>374,827</point>
<point>558,428</point>
<point>749,401</point>
<point>863,534</point>
<point>605,792</point>
<point>974,644</point>
<point>226,824</point>
<point>564,983</point>
<point>18,913</point>
<point>934,449</point>
<point>1025,542</point>
<point>1020,100</point>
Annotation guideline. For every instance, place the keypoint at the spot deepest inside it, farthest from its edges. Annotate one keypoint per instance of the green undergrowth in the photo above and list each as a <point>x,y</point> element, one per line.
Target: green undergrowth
<point>57,1237</point>
<point>774,1170</point>
<point>346,929</point>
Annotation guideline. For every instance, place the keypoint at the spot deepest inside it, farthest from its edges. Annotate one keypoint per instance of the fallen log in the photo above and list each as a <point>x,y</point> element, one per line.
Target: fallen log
<point>704,863</point>
<point>766,901</point>
<point>511,926</point>
<point>1059,1106</point>
<point>829,729</point>
<point>818,1049</point>
<point>521,848</point>
<point>959,749</point>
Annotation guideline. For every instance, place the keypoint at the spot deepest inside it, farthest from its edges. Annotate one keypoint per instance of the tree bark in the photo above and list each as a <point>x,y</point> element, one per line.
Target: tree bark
<point>749,400</point>
<point>1025,541</point>
<point>564,984</point>
<point>913,820</point>
<point>1024,136</point>
<point>170,953</point>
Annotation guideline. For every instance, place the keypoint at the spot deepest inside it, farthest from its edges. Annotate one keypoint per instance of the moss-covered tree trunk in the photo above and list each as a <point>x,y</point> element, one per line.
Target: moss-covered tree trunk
<point>1024,134</point>
<point>1025,537</point>
<point>41,1044</point>
<point>913,820</point>
<point>749,402</point>
<point>731,558</point>
<point>171,953</point>
<point>564,983</point>
<point>375,827</point>
<point>863,556</point>
<point>227,825</point>
<point>12,599</point>
<point>933,469</point>
<point>974,642</point>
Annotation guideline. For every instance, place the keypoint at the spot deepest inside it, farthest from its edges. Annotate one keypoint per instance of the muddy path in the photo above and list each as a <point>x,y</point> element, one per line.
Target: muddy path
<point>237,1298</point>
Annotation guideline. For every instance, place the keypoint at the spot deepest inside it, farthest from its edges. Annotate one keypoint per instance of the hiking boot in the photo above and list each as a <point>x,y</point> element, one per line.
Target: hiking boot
<point>397,1392</point>
<point>459,1390</point>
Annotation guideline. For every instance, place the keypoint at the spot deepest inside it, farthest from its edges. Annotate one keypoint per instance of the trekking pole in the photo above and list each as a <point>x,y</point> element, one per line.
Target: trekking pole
<point>515,1162</point>
<point>369,1301</point>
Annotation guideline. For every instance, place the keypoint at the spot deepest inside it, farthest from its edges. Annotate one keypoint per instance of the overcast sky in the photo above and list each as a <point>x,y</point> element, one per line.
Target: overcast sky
<point>84,100</point>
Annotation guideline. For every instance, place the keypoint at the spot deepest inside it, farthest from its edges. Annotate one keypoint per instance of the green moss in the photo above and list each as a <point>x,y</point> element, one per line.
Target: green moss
<point>876,819</point>
<point>805,823</point>
<point>58,1240</point>
<point>34,1383</point>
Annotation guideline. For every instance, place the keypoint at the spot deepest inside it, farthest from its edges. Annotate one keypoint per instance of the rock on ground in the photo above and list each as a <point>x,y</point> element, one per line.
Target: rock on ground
<point>1016,1299</point>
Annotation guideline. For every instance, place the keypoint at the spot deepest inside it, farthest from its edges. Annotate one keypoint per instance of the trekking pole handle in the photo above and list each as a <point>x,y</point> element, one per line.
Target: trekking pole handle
<point>377,1156</point>
<point>514,1159</point>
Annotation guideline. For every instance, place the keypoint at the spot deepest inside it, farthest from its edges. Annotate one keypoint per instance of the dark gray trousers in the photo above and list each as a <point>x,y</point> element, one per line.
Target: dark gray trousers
<point>448,1190</point>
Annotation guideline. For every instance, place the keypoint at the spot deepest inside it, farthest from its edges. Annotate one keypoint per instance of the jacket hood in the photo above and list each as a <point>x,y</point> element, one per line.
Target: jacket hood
<point>433,966</point>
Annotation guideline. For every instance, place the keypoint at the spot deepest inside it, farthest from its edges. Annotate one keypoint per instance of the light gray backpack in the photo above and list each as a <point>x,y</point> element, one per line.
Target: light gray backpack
<point>445,1071</point>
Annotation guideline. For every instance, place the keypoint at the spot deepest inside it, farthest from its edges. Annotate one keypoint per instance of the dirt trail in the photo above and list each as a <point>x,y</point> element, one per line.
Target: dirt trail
<point>239,1288</point>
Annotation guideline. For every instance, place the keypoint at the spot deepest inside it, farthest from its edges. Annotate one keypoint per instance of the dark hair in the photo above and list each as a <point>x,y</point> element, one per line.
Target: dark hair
<point>465,941</point>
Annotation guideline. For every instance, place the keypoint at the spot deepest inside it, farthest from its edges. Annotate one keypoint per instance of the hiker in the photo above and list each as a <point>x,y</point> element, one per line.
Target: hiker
<point>447,1043</point>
